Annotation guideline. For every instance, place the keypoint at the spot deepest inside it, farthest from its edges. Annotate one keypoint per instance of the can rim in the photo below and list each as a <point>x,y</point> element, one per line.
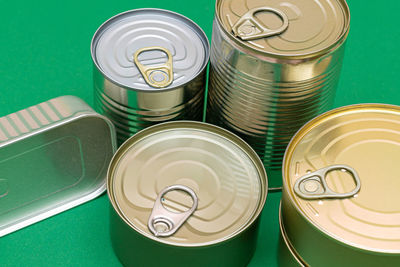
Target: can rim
<point>196,27</point>
<point>241,45</point>
<point>286,240</point>
<point>199,126</point>
<point>300,134</point>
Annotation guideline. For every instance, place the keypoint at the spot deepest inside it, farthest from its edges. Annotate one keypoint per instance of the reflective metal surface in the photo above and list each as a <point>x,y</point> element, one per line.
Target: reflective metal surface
<point>287,256</point>
<point>362,229</point>
<point>158,76</point>
<point>265,89</point>
<point>225,174</point>
<point>162,222</point>
<point>53,156</point>
<point>305,28</point>
<point>314,185</point>
<point>134,99</point>
<point>249,28</point>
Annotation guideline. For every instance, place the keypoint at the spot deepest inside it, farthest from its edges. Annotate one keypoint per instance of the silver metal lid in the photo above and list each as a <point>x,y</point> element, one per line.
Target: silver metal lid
<point>116,41</point>
<point>53,156</point>
<point>227,178</point>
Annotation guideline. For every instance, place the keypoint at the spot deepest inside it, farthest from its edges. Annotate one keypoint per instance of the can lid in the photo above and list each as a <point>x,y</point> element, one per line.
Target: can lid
<point>168,43</point>
<point>285,28</point>
<point>226,176</point>
<point>53,156</point>
<point>341,173</point>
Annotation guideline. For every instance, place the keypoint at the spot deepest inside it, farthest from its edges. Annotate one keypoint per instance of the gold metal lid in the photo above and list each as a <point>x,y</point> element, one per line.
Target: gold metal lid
<point>223,171</point>
<point>293,28</point>
<point>365,138</point>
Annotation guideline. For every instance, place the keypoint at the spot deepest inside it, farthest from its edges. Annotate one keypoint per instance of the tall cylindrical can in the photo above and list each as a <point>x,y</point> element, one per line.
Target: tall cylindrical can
<point>274,66</point>
<point>149,67</point>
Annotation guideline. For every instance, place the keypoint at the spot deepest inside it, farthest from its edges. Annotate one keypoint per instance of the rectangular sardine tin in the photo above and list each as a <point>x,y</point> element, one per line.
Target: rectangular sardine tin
<point>53,156</point>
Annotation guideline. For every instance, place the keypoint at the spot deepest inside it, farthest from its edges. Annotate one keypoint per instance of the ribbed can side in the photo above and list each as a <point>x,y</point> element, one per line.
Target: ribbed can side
<point>132,111</point>
<point>266,101</point>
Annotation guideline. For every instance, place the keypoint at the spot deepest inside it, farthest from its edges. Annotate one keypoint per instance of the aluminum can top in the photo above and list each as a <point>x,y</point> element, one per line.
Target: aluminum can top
<point>141,48</point>
<point>293,28</point>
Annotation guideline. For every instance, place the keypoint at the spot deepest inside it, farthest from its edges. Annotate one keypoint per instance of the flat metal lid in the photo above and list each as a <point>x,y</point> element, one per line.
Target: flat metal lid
<point>116,41</point>
<point>291,28</point>
<point>365,138</point>
<point>223,171</point>
<point>53,156</point>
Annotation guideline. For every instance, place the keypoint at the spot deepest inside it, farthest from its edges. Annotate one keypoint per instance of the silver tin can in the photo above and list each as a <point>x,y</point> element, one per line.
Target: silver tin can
<point>274,66</point>
<point>216,225</point>
<point>149,67</point>
<point>53,156</point>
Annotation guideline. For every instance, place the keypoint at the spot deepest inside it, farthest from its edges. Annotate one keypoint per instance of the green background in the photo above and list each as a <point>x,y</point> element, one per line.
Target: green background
<point>45,53</point>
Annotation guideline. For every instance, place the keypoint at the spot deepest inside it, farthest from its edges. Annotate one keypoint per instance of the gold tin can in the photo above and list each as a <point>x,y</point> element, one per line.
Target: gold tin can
<point>224,188</point>
<point>340,200</point>
<point>274,66</point>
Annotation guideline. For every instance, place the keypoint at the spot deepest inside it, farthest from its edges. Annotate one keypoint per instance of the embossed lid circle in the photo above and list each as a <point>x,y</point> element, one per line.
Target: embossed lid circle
<point>225,174</point>
<point>118,39</point>
<point>365,137</point>
<point>312,26</point>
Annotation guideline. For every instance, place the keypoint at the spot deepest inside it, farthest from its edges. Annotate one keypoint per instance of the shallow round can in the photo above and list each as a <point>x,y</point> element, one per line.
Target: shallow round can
<point>274,66</point>
<point>149,67</point>
<point>228,181</point>
<point>340,199</point>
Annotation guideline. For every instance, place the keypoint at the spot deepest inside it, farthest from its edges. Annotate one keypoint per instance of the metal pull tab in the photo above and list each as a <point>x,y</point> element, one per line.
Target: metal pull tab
<point>249,28</point>
<point>157,76</point>
<point>314,186</point>
<point>164,223</point>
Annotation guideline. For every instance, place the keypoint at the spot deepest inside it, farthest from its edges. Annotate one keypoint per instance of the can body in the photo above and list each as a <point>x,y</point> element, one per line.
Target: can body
<point>120,90</point>
<point>132,111</point>
<point>287,257</point>
<point>224,172</point>
<point>152,253</point>
<point>339,202</point>
<point>265,98</point>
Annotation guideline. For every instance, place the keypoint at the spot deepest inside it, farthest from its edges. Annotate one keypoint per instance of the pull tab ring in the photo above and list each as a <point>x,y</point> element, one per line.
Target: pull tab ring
<point>249,28</point>
<point>157,76</point>
<point>164,223</point>
<point>314,186</point>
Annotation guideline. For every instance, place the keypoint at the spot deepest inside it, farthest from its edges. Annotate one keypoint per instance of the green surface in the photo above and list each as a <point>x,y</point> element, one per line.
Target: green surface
<point>45,53</point>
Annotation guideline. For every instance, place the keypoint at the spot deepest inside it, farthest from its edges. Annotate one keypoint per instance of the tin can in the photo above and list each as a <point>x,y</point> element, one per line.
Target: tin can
<point>340,199</point>
<point>274,66</point>
<point>53,156</point>
<point>224,190</point>
<point>149,67</point>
